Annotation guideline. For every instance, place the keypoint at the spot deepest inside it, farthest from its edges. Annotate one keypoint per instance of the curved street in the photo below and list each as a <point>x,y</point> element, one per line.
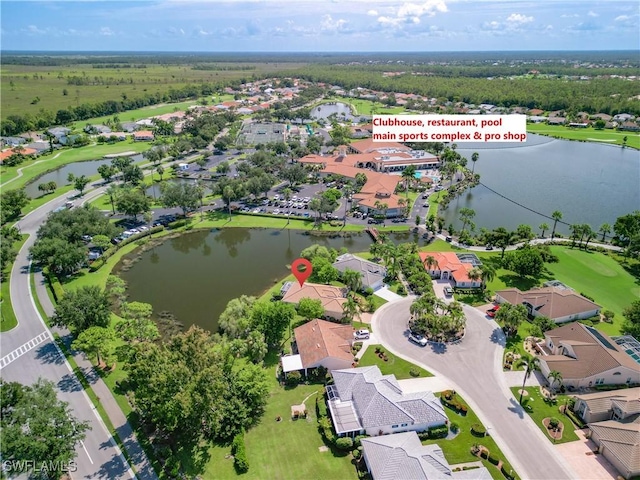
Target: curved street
<point>29,353</point>
<point>474,368</point>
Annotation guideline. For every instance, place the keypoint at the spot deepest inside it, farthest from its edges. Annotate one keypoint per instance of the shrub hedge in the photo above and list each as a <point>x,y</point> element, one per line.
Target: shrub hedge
<point>344,443</point>
<point>240,461</point>
<point>449,399</point>
<point>478,430</point>
<point>54,283</point>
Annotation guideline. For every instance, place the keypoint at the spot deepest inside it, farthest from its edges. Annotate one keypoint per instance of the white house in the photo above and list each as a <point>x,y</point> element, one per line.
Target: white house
<point>372,274</point>
<point>362,400</point>
<point>450,266</point>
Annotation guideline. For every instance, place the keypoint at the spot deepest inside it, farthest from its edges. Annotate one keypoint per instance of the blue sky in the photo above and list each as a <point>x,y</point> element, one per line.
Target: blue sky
<point>320,25</point>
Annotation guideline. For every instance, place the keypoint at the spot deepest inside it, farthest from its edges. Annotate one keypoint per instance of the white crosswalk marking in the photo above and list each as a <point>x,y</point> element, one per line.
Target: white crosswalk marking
<point>24,348</point>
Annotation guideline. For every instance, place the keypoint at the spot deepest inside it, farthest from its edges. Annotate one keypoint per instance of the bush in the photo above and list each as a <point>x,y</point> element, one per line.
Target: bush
<point>401,290</point>
<point>54,283</point>
<point>493,460</point>
<point>414,372</point>
<point>321,407</point>
<point>478,430</point>
<point>239,453</point>
<point>358,439</point>
<point>356,454</point>
<point>554,422</point>
<point>448,398</point>
<point>506,474</point>
<point>438,432</point>
<point>454,427</point>
<point>293,378</point>
<point>344,443</point>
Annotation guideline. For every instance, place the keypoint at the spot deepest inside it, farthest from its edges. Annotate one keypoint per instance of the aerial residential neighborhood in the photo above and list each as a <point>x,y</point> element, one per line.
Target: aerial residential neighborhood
<point>213,267</point>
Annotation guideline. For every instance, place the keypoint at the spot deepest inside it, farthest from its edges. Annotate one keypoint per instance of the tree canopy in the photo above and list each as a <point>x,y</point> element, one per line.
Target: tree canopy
<point>80,309</point>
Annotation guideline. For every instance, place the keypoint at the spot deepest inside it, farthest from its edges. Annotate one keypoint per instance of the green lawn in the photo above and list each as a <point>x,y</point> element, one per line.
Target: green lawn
<point>538,410</point>
<point>288,449</point>
<point>458,449</point>
<point>221,219</point>
<point>368,107</point>
<point>611,137</point>
<point>44,163</point>
<point>394,365</point>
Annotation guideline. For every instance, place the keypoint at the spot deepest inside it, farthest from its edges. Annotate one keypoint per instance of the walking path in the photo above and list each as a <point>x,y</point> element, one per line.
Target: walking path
<point>19,171</point>
<point>536,241</point>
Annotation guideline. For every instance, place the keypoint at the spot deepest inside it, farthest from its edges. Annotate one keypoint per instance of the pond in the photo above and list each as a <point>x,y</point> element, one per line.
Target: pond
<point>589,183</point>
<point>342,110</point>
<point>60,175</point>
<point>195,275</point>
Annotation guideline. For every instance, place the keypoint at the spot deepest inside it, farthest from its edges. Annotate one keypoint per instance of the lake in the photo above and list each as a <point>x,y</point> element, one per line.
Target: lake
<point>342,110</point>
<point>60,175</point>
<point>588,182</point>
<point>195,275</point>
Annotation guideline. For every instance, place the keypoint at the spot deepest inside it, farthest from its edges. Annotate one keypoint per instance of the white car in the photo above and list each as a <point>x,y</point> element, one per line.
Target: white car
<point>276,211</point>
<point>418,339</point>
<point>362,334</point>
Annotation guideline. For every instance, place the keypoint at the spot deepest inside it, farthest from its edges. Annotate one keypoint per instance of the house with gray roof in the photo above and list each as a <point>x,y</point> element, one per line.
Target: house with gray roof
<point>362,400</point>
<point>611,405</point>
<point>402,456</point>
<point>371,273</point>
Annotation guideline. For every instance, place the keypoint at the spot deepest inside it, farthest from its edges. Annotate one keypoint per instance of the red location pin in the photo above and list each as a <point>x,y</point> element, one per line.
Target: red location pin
<point>304,274</point>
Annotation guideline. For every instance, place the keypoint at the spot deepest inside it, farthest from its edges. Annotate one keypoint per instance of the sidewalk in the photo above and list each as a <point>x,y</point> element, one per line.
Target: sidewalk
<point>137,457</point>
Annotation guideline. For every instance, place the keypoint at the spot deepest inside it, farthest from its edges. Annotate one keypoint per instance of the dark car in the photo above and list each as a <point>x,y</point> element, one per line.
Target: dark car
<point>489,247</point>
<point>448,239</point>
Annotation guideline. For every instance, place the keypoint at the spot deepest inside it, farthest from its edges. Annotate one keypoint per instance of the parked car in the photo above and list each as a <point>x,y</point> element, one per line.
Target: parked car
<point>362,334</point>
<point>418,339</point>
<point>489,247</point>
<point>448,291</point>
<point>448,239</point>
<point>492,311</point>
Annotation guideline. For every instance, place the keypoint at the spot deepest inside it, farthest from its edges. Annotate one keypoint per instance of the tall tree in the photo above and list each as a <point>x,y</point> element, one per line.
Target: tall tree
<point>38,428</point>
<point>530,364</point>
<point>184,195</point>
<point>352,279</point>
<point>351,308</point>
<point>631,323</point>
<point>554,377</point>
<point>605,229</point>
<point>272,319</point>
<point>511,316</point>
<point>80,183</point>
<point>310,308</point>
<point>543,228</point>
<point>88,306</point>
<point>466,216</point>
<point>96,342</point>
<point>11,204</point>
<point>557,216</point>
<point>474,158</point>
<point>132,201</point>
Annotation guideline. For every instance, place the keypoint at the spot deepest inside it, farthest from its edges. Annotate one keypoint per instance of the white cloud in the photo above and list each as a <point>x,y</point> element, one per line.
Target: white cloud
<point>412,13</point>
<point>372,13</point>
<point>106,32</point>
<point>622,18</point>
<point>33,30</point>
<point>518,18</point>
<point>592,14</point>
<point>328,24</point>
<point>572,15</point>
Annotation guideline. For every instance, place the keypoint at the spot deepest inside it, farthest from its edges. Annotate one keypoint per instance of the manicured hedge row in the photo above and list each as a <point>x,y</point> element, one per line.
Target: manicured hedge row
<point>239,453</point>
<point>449,399</point>
<point>54,283</point>
<point>111,250</point>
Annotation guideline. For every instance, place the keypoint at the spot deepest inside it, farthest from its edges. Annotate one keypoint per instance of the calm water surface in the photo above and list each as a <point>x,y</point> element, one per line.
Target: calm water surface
<point>589,183</point>
<point>195,275</point>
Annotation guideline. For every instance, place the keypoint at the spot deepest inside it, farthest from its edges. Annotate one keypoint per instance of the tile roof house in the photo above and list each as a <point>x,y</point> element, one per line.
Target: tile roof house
<point>372,274</point>
<point>143,136</point>
<point>332,298</point>
<point>402,456</point>
<point>559,304</point>
<point>586,357</point>
<point>324,343</point>
<point>619,442</point>
<point>615,404</point>
<point>4,154</point>
<point>362,400</point>
<point>449,266</point>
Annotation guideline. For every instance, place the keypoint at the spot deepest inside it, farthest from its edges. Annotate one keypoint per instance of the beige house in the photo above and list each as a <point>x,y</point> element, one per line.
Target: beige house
<point>586,357</point>
<point>332,298</point>
<point>322,343</point>
<point>559,304</point>
<point>619,442</point>
<point>612,405</point>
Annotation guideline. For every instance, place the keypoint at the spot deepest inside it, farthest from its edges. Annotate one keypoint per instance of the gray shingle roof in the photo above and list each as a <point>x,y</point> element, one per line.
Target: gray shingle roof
<point>379,400</point>
<point>370,272</point>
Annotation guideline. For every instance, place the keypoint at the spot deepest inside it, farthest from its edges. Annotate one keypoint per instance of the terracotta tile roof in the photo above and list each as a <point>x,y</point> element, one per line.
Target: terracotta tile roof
<point>592,356</point>
<point>332,298</point>
<point>319,339</point>
<point>143,134</point>
<point>368,145</point>
<point>552,302</point>
<point>10,151</point>
<point>449,262</point>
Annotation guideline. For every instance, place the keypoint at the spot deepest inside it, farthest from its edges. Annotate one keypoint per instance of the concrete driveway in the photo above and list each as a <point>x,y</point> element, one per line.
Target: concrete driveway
<point>474,369</point>
<point>438,289</point>
<point>579,455</point>
<point>387,294</point>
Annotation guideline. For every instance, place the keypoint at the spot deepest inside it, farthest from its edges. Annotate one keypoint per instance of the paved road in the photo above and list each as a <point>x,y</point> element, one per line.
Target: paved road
<point>98,456</point>
<point>473,367</point>
<point>535,241</point>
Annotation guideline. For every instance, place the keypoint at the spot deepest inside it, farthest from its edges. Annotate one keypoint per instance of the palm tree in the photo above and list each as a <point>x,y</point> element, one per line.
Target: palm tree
<point>588,233</point>
<point>474,159</point>
<point>429,262</point>
<point>605,229</point>
<point>488,273</point>
<point>466,215</point>
<point>160,171</point>
<point>474,274</point>
<point>531,364</point>
<point>352,279</point>
<point>556,215</point>
<point>544,227</point>
<point>351,308</point>
<point>402,204</point>
<point>554,377</point>
<point>576,230</point>
<point>408,175</point>
<point>112,191</point>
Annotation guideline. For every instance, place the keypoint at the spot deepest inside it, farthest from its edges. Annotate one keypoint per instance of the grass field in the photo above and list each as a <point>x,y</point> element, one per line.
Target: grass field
<point>7,316</point>
<point>27,89</point>
<point>538,410</point>
<point>369,107</point>
<point>611,137</point>
<point>394,365</point>
<point>33,168</point>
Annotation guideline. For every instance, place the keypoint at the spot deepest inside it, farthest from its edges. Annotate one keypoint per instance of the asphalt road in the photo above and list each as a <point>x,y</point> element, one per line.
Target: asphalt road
<point>28,352</point>
<point>474,366</point>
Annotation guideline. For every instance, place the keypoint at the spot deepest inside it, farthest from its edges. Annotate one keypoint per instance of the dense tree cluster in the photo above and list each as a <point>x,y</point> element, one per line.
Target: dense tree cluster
<point>11,204</point>
<point>59,244</point>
